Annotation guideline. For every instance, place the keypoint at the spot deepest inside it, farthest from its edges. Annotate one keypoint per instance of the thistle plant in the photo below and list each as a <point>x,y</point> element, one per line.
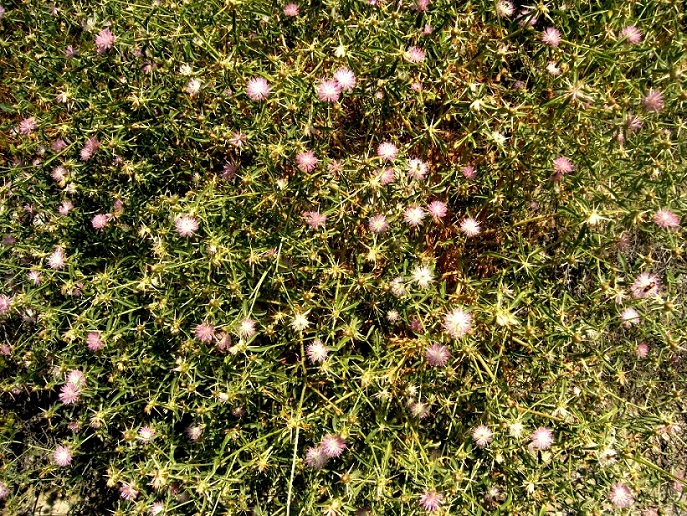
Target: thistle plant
<point>348,257</point>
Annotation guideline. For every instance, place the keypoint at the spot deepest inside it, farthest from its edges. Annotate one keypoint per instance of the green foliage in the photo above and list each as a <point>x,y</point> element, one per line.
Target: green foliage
<point>553,163</point>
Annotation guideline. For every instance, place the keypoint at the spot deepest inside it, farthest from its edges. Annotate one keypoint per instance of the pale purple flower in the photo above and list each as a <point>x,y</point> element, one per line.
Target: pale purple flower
<point>345,78</point>
<point>378,224</point>
<point>194,432</point>
<point>315,457</point>
<point>193,87</point>
<point>62,456</point>
<point>57,259</point>
<point>314,219</point>
<point>4,491</point>
<point>642,350</point>
<point>469,172</point>
<point>431,500</point>
<point>5,349</point>
<point>257,89</point>
<point>100,220</point>
<point>185,225</point>
<point>223,341</point>
<point>552,69</point>
<point>653,101</point>
<point>246,328</point>
<point>229,171</point>
<point>89,148</point>
<point>128,492</point>
<point>419,409</point>
<point>65,208</point>
<point>104,40</point>
<point>205,332</point>
<point>470,227</point>
<point>634,123</point>
<point>316,351</point>
<point>59,173</point>
<point>27,125</point>
<point>387,151</point>
<point>69,393</point>
<point>631,34</point>
<point>646,285</point>
<point>414,55</point>
<point>70,52</point>
<point>306,161</point>
<point>458,322</point>
<point>34,277</point>
<point>417,169</point>
<point>157,508</point>
<point>620,496</point>
<point>2,13</point>
<point>666,219</point>
<point>146,433</point>
<point>421,5</point>
<point>76,378</point>
<point>413,215</point>
<point>437,355</point>
<point>437,209</point>
<point>59,145</point>
<point>328,90</point>
<point>629,316</point>
<point>94,341</point>
<point>291,10</point>
<point>504,8</point>
<point>542,438</point>
<point>5,304</point>
<point>387,176</point>
<point>333,445</point>
<point>482,435</point>
<point>562,165</point>
<point>551,36</point>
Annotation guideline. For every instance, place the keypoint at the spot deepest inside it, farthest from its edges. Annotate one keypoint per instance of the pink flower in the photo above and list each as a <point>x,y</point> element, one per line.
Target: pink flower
<point>314,219</point>
<point>387,176</point>
<point>631,34</point>
<point>562,165</point>
<point>57,259</point>
<point>59,145</point>
<point>257,89</point>
<point>387,151</point>
<point>246,328</point>
<point>470,227</point>
<point>91,145</point>
<point>306,161</point>
<point>629,316</point>
<point>634,123</point>
<point>146,433</point>
<point>317,351</point>
<point>646,285</point>
<point>421,5</point>
<point>551,36</point>
<point>186,226</point>
<point>542,438</point>
<point>5,304</point>
<point>27,125</point>
<point>62,456</point>
<point>642,350</point>
<point>437,209</point>
<point>437,355</point>
<point>378,224</point>
<point>666,219</point>
<point>100,220</point>
<point>69,393</point>
<point>291,10</point>
<point>482,435</point>
<point>34,277</point>
<point>128,492</point>
<point>104,40</point>
<point>315,457</point>
<point>94,341</point>
<point>413,215</point>
<point>469,172</point>
<point>620,496</point>
<point>229,171</point>
<point>205,332</point>
<point>194,432</point>
<point>70,52</point>
<point>345,78</point>
<point>59,173</point>
<point>431,500</point>
<point>157,508</point>
<point>193,87</point>
<point>504,8</point>
<point>417,169</point>
<point>4,492</point>
<point>414,55</point>
<point>458,322</point>
<point>653,101</point>
<point>333,445</point>
<point>76,378</point>
<point>65,208</point>
<point>328,90</point>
